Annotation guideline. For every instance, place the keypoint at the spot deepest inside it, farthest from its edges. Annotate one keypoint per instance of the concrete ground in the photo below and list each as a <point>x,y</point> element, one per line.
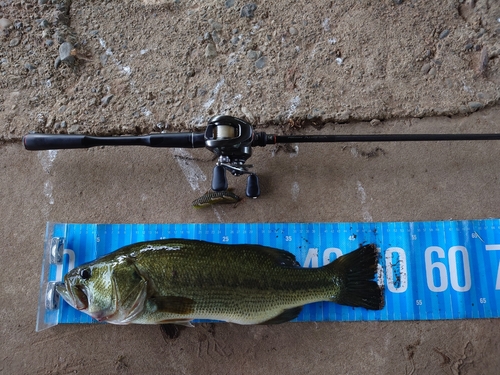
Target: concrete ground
<point>321,182</point>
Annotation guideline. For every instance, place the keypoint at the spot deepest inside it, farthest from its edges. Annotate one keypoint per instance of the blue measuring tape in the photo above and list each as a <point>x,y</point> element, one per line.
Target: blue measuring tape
<point>431,270</point>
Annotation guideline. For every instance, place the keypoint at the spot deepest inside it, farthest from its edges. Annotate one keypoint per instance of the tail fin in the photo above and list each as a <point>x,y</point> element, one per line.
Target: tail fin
<point>356,273</point>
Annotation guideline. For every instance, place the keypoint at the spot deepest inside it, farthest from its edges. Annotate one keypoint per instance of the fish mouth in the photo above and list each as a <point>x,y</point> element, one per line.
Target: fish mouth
<point>76,295</point>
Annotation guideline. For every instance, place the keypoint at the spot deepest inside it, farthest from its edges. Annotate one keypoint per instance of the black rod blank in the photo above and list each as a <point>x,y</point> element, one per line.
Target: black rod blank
<point>381,138</point>
<point>37,141</point>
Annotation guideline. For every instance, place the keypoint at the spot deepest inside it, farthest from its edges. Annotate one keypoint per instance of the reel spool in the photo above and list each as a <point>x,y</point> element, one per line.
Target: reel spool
<point>224,132</point>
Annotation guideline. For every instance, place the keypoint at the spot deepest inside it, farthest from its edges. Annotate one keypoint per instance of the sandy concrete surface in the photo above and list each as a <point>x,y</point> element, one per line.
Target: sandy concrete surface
<point>293,67</point>
<point>400,181</point>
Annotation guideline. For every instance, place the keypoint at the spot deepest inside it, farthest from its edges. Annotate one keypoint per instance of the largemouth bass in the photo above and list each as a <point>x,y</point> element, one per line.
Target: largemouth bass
<point>177,280</point>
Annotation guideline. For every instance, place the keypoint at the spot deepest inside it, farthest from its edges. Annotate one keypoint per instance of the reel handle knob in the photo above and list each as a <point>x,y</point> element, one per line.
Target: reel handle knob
<point>219,180</point>
<point>253,188</point>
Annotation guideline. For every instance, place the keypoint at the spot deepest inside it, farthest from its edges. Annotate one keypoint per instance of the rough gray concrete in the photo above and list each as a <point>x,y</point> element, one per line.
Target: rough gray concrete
<point>137,66</point>
<point>402,181</point>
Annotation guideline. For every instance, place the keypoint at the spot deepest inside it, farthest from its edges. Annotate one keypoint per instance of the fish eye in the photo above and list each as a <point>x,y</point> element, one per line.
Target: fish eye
<point>85,274</point>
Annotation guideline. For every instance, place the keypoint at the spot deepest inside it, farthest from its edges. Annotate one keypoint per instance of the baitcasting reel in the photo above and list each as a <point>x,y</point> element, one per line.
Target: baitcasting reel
<point>231,139</point>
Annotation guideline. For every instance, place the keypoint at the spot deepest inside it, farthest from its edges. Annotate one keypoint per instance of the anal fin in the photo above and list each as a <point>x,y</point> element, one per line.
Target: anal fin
<point>185,323</point>
<point>285,316</point>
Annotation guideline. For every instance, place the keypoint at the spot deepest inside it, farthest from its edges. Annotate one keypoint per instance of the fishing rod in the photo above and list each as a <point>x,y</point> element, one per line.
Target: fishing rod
<point>231,139</point>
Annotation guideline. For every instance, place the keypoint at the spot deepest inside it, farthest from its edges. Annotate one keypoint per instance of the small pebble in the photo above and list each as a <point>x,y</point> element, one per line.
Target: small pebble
<point>432,72</point>
<point>65,52</point>
<point>253,55</point>
<point>49,42</point>
<point>260,63</point>
<point>474,106</point>
<point>293,31</point>
<point>229,3</point>
<point>483,60</point>
<point>44,24</point>
<point>463,109</point>
<point>105,100</point>
<point>344,115</point>
<point>235,40</point>
<point>248,10</point>
<point>28,66</point>
<point>215,37</point>
<point>4,23</point>
<point>444,34</point>
<point>73,129</point>
<point>14,42</point>
<point>210,51</point>
<point>375,122</point>
<point>425,68</point>
<point>469,46</point>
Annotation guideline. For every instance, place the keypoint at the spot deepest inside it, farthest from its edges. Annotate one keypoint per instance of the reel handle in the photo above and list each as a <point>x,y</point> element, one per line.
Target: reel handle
<point>253,188</point>
<point>219,180</point>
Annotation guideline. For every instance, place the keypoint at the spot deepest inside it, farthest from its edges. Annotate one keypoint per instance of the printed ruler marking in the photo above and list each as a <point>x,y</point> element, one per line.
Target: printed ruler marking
<point>495,247</point>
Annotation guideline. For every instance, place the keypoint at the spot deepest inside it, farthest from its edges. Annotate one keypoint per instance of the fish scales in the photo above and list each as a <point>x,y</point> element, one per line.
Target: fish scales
<point>252,283</point>
<point>181,280</point>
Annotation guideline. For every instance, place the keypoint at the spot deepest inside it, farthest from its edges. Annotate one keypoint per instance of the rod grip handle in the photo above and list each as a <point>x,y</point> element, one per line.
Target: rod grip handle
<point>36,142</point>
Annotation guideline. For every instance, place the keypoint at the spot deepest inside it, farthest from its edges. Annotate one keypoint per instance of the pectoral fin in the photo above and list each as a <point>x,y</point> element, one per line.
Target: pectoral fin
<point>173,304</point>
